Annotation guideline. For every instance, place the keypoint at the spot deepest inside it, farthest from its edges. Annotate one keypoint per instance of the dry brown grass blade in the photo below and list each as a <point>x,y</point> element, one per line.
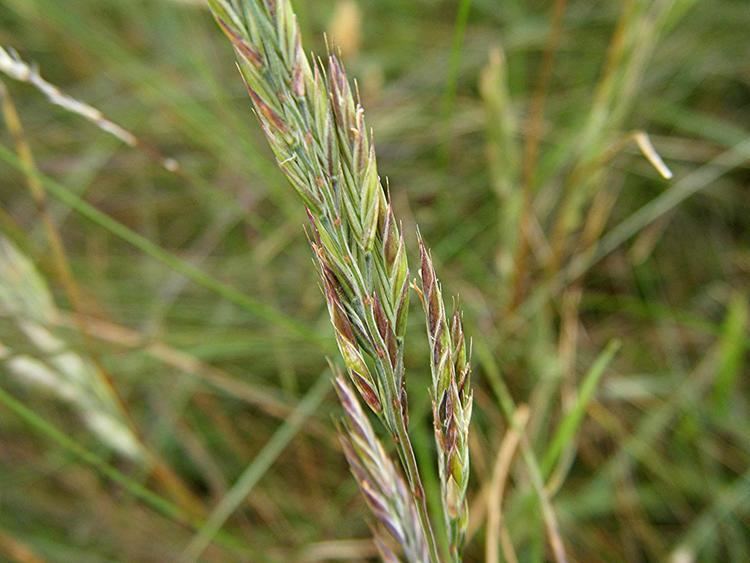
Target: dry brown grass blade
<point>345,28</point>
<point>342,550</point>
<point>496,530</point>
<point>13,66</point>
<point>17,551</point>
<point>548,511</point>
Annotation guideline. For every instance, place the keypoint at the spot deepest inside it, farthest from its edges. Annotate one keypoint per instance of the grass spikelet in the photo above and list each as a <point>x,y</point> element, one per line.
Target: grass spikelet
<point>383,487</point>
<point>451,402</point>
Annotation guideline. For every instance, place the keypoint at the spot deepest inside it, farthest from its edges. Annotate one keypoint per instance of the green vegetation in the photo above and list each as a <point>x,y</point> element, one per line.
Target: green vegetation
<point>164,391</point>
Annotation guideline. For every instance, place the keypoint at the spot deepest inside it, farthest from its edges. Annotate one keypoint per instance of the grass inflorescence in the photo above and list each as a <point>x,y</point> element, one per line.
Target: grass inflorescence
<point>579,172</point>
<point>316,128</point>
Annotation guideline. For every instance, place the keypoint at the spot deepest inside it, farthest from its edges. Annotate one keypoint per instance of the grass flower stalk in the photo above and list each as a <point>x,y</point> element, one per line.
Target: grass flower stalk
<point>315,126</point>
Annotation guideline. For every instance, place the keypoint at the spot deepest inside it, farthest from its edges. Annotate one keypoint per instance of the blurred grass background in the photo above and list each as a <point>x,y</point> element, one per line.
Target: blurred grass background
<point>610,301</point>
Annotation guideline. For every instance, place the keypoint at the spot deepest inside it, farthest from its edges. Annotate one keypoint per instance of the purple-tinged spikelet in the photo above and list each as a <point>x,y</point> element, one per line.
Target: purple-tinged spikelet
<point>383,487</point>
<point>451,401</point>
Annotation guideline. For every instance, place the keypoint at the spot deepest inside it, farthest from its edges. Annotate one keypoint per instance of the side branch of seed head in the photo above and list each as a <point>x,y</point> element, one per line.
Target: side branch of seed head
<point>451,400</point>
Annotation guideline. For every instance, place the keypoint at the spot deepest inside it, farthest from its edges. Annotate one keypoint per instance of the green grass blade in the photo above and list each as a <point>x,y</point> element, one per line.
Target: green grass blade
<point>136,489</point>
<point>703,530</point>
<point>454,65</point>
<point>691,184</point>
<point>257,468</point>
<point>732,346</point>
<point>569,425</point>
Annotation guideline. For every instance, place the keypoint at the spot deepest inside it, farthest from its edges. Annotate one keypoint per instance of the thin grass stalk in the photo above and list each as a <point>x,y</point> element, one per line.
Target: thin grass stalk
<point>502,161</point>
<point>13,66</point>
<point>531,152</point>
<point>496,529</point>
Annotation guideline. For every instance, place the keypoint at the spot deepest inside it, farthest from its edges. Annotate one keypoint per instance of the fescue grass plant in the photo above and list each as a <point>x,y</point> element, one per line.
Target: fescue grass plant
<point>528,149</point>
